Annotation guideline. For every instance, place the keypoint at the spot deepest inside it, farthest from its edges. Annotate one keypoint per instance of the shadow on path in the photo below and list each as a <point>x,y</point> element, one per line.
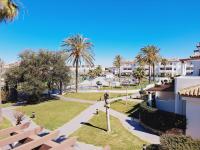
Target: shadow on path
<point>138,127</point>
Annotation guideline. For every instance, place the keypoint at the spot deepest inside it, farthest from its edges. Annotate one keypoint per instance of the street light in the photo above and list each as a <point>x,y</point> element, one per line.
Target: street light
<point>107,105</point>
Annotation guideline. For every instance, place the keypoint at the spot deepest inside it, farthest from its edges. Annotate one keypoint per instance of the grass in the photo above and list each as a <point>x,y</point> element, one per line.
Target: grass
<point>5,124</point>
<point>132,87</point>
<point>122,107</point>
<point>92,96</point>
<point>53,114</point>
<point>118,139</point>
<point>6,105</point>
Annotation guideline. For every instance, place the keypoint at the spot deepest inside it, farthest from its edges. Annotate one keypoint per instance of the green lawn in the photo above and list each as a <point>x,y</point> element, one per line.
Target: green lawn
<point>122,107</point>
<point>5,124</point>
<point>92,96</point>
<point>53,114</point>
<point>119,138</point>
<point>6,105</point>
<point>132,87</point>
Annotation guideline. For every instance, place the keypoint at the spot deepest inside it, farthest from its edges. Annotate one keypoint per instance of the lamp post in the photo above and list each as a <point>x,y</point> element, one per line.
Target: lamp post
<point>107,105</point>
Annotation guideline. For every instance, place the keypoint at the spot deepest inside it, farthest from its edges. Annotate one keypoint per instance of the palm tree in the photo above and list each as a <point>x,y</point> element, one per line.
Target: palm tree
<point>140,60</point>
<point>117,63</point>
<point>139,74</point>
<point>78,49</point>
<point>150,55</point>
<point>164,62</point>
<point>8,10</point>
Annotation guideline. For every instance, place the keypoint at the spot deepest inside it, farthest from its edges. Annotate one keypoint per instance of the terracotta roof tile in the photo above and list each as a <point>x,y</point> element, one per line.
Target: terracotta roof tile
<point>193,91</point>
<point>165,87</point>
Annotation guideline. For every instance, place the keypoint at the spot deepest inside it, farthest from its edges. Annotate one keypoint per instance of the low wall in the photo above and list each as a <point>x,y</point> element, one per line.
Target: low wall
<point>166,105</point>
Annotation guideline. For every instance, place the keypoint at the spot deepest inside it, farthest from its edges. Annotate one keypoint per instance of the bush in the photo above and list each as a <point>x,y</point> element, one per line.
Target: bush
<point>178,142</point>
<point>160,121</point>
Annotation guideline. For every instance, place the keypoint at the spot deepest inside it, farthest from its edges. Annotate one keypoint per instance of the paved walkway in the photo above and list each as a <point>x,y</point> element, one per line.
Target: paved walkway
<point>8,113</point>
<point>134,127</point>
<point>84,116</point>
<point>71,126</point>
<point>128,123</point>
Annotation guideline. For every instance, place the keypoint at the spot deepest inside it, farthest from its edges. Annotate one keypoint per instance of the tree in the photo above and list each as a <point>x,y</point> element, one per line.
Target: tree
<point>60,72</point>
<point>78,49</point>
<point>37,72</point>
<point>95,72</point>
<point>8,10</point>
<point>139,74</point>
<point>140,60</point>
<point>149,55</point>
<point>117,63</point>
<point>98,70</point>
<point>13,77</point>
<point>164,62</point>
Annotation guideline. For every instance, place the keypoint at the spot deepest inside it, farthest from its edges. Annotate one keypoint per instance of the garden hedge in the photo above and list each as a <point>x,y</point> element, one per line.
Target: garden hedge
<point>176,142</point>
<point>160,121</point>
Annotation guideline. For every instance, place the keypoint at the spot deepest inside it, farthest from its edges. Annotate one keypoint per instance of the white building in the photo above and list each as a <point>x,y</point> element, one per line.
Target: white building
<point>182,97</point>
<point>173,68</point>
<point>84,69</point>
<point>126,68</point>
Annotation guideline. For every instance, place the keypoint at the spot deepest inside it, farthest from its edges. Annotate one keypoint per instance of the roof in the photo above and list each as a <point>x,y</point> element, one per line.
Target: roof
<point>191,58</point>
<point>164,88</point>
<point>193,91</point>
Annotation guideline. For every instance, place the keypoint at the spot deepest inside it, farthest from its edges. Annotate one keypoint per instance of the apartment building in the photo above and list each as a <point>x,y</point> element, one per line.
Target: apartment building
<point>126,68</point>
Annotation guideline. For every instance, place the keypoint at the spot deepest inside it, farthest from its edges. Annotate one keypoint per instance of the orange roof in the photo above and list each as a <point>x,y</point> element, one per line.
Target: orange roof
<point>193,91</point>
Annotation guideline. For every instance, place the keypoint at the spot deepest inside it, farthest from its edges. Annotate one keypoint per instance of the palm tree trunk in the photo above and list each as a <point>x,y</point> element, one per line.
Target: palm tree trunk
<point>76,75</point>
<point>149,73</point>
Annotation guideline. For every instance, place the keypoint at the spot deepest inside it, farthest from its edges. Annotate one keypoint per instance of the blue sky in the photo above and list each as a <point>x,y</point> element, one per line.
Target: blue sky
<point>114,27</point>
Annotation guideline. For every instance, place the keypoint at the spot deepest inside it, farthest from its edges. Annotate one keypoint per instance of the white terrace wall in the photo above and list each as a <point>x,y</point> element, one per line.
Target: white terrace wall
<point>181,83</point>
<point>165,101</point>
<point>193,117</point>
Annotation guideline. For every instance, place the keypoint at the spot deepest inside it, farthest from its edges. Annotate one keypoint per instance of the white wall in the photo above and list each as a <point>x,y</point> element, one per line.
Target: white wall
<point>181,83</point>
<point>196,67</point>
<point>166,105</point>
<point>193,117</point>
<point>165,95</point>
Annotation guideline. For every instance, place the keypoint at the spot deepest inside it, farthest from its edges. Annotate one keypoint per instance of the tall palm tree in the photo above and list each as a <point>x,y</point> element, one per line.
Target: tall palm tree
<point>155,58</point>
<point>140,60</point>
<point>150,55</point>
<point>139,74</point>
<point>8,10</point>
<point>164,62</point>
<point>117,63</point>
<point>79,49</point>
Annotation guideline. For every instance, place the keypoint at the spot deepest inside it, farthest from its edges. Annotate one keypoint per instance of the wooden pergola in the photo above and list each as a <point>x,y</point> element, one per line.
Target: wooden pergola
<point>18,138</point>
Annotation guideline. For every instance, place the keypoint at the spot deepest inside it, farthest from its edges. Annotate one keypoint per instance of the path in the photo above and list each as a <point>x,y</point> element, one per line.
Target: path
<point>134,127</point>
<point>84,116</point>
<point>8,113</point>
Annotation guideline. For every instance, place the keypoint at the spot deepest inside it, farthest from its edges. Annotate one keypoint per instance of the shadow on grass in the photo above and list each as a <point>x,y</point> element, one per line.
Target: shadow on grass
<point>134,112</point>
<point>90,125</point>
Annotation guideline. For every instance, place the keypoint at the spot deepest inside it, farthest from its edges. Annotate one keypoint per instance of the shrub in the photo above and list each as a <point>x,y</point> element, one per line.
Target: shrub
<point>160,121</point>
<point>178,142</point>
